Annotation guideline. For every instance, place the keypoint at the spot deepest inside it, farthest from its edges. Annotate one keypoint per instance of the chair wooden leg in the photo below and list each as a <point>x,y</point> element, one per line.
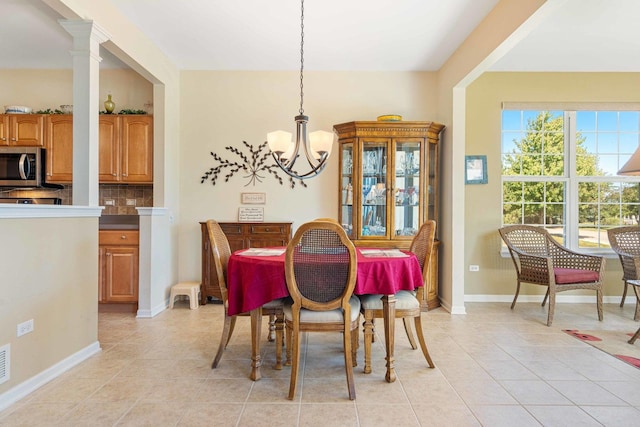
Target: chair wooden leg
<point>544,300</point>
<point>599,303</point>
<point>355,343</point>
<point>552,306</point>
<point>295,363</point>
<point>634,337</point>
<point>289,343</point>
<point>279,332</point>
<point>272,328</point>
<point>368,339</point>
<point>232,326</point>
<point>348,362</point>
<point>407,329</point>
<point>423,344</point>
<point>224,339</point>
<point>513,304</point>
<point>624,294</point>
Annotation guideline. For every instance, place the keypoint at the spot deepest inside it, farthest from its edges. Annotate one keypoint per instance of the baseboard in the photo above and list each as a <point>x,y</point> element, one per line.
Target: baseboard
<point>612,299</point>
<point>141,314</point>
<point>16,393</point>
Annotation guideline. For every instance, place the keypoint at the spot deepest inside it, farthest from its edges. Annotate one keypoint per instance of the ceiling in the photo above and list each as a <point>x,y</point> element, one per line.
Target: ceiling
<point>360,35</point>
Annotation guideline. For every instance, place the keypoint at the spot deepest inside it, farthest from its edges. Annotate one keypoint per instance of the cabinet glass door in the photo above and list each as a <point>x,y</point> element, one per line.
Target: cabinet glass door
<point>347,186</point>
<point>407,188</point>
<point>432,189</point>
<point>374,188</point>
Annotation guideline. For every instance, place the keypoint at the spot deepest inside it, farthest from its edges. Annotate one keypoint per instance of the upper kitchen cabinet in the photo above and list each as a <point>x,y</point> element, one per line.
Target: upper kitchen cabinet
<point>25,130</point>
<point>388,180</point>
<point>126,148</point>
<point>59,148</point>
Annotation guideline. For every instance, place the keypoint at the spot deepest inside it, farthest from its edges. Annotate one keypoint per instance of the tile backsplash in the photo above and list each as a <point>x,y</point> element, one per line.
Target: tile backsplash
<point>125,198</point>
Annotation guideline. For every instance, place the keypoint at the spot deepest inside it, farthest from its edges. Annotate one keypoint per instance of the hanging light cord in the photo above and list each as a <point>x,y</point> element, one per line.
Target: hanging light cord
<point>301,57</point>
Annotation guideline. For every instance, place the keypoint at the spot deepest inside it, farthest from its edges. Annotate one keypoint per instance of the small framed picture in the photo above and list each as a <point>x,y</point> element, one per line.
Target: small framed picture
<point>253,198</point>
<point>475,169</point>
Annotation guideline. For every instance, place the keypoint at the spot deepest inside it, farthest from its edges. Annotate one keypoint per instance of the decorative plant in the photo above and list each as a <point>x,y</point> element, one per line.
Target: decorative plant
<point>251,165</point>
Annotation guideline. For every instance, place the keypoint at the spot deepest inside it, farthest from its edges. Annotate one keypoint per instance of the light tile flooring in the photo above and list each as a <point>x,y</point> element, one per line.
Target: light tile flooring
<point>494,367</point>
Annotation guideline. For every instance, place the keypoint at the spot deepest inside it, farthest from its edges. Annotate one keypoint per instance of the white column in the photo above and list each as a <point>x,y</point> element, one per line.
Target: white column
<point>87,37</point>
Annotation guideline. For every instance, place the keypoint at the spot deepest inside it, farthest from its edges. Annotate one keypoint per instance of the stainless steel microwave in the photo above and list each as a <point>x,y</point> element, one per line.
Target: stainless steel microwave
<point>21,166</point>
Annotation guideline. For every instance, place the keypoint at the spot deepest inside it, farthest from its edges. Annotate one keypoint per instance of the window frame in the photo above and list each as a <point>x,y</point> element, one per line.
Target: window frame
<point>570,177</point>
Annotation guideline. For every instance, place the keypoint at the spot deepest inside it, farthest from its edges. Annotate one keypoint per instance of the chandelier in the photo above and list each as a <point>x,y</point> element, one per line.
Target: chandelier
<point>316,145</point>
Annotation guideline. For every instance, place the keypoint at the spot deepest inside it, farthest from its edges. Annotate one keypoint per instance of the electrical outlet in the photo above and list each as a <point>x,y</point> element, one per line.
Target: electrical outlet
<point>131,202</point>
<point>25,327</point>
<point>109,202</point>
<point>474,268</point>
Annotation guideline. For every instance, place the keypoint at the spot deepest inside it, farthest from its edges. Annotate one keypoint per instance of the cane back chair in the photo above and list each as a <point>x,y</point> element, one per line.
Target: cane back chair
<point>320,270</point>
<point>220,251</point>
<point>407,302</point>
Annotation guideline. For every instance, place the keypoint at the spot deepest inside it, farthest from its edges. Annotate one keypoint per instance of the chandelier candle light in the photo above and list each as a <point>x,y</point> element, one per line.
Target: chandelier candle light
<point>316,150</point>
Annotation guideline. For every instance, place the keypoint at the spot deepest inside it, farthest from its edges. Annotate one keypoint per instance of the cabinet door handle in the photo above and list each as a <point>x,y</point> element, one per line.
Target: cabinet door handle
<point>267,230</point>
<point>124,174</point>
<point>108,253</point>
<point>123,237</point>
<point>13,139</point>
<point>114,174</point>
<point>4,139</point>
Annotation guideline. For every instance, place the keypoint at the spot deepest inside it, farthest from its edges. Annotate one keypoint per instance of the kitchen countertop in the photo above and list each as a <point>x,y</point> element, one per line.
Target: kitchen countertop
<point>119,222</point>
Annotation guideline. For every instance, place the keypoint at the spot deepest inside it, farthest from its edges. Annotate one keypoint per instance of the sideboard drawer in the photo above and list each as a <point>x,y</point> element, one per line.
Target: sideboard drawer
<point>267,229</point>
<point>231,228</point>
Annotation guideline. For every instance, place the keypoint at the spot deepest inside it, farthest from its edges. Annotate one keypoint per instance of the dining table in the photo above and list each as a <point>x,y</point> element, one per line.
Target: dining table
<point>256,276</point>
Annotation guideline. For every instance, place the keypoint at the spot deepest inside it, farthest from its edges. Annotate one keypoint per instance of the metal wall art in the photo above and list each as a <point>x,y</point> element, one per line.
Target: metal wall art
<point>251,165</point>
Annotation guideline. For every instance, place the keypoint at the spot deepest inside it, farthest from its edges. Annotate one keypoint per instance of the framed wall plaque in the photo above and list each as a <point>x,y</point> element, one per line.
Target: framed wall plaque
<point>253,198</point>
<point>250,214</point>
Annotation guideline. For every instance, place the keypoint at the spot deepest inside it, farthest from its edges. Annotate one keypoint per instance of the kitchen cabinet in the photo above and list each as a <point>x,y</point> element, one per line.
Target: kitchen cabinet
<point>59,148</point>
<point>241,235</point>
<point>118,266</point>
<point>126,148</point>
<point>389,184</point>
<point>24,130</point>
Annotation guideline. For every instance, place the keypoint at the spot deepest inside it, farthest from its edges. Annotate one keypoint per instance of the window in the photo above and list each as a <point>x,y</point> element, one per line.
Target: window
<point>559,171</point>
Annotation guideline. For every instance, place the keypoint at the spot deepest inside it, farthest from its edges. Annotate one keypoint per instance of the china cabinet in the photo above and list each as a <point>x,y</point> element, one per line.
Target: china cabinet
<point>389,184</point>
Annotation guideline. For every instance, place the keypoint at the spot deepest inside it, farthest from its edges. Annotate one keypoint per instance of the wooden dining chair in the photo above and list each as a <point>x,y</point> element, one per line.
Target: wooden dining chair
<point>407,302</point>
<point>321,277</point>
<point>220,251</point>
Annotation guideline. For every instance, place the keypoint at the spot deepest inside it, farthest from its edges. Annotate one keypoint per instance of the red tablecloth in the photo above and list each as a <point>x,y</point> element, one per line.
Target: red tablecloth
<point>253,281</point>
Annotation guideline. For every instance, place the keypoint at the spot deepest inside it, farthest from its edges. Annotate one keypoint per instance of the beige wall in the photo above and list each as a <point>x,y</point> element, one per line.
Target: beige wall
<point>49,270</point>
<point>485,95</point>
<point>42,89</point>
<point>221,109</point>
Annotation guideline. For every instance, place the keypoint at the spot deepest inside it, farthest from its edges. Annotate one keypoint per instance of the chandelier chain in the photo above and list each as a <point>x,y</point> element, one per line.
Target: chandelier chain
<point>301,57</point>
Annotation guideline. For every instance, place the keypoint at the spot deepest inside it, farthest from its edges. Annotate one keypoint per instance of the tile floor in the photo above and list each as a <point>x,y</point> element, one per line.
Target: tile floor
<point>494,367</point>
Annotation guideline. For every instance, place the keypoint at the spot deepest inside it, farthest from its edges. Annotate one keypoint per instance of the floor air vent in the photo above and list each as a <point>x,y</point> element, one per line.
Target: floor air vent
<point>4,363</point>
